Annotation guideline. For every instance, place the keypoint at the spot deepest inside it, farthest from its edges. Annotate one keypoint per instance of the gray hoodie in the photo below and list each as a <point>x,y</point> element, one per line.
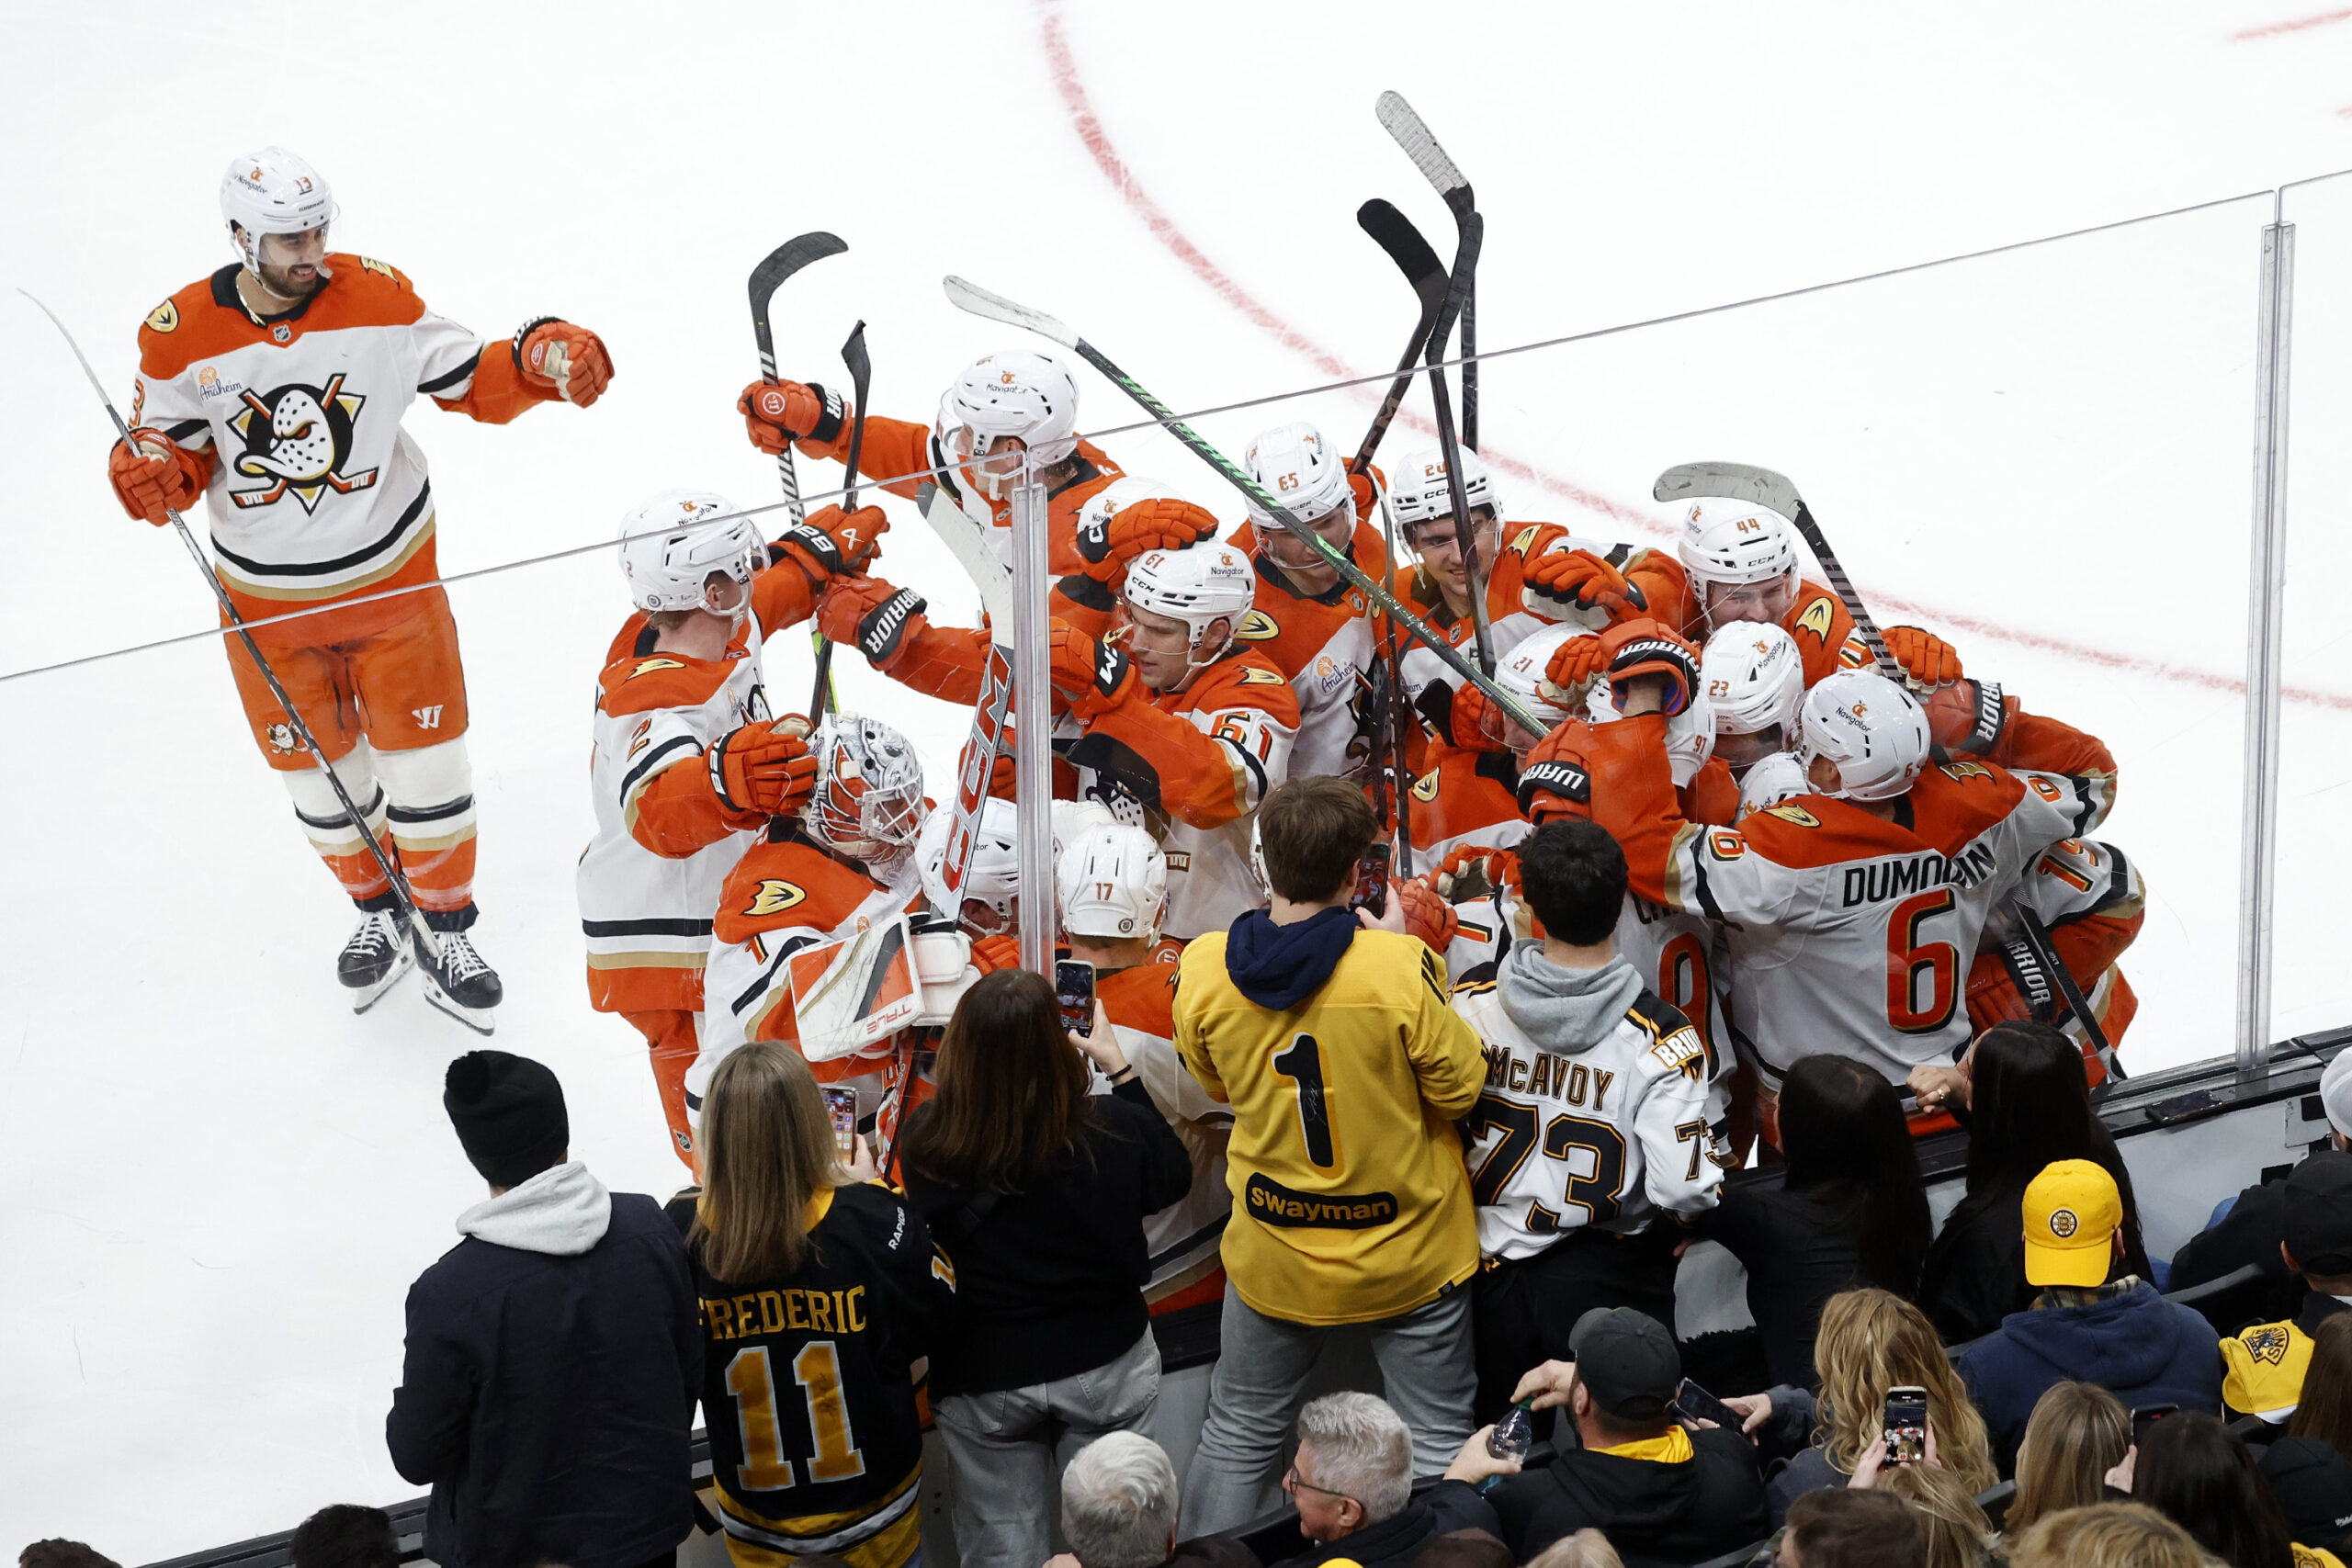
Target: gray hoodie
<point>562,1212</point>
<point>1567,1011</point>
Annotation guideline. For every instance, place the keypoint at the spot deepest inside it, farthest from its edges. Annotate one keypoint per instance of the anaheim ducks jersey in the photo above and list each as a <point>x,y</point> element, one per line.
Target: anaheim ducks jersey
<point>808,1393</point>
<point>1509,616</point>
<point>1815,619</point>
<point>1465,799</point>
<point>1847,932</point>
<point>2091,900</point>
<point>1604,1133</point>
<point>1198,761</point>
<point>1349,1201</point>
<point>649,879</point>
<point>1184,1238</point>
<point>2022,741</point>
<point>315,490</point>
<point>784,895</point>
<point>1323,642</point>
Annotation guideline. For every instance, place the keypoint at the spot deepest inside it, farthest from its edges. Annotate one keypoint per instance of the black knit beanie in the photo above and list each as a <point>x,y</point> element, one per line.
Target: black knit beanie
<point>509,1114</point>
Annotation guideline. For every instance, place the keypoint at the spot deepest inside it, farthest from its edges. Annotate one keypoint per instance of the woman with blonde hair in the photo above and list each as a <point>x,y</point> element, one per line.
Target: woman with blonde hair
<point>2107,1535</point>
<point>1586,1549</point>
<point>1871,1341</point>
<point>1952,1526</point>
<point>819,1289</point>
<point>2077,1433</point>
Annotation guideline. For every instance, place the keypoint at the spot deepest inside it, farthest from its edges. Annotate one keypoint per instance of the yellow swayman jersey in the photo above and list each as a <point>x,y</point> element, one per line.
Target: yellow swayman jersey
<point>1349,1199</point>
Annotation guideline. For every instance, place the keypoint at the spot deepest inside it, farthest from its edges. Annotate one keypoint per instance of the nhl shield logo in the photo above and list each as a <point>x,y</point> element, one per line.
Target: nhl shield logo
<point>297,438</point>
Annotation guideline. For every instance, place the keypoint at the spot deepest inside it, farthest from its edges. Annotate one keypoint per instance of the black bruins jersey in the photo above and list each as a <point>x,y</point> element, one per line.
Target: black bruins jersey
<point>815,1440</point>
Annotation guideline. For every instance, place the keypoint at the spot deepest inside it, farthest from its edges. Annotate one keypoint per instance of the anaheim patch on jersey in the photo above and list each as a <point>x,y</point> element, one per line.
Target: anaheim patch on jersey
<point>1817,617</point>
<point>1259,626</point>
<point>774,896</point>
<point>1253,675</point>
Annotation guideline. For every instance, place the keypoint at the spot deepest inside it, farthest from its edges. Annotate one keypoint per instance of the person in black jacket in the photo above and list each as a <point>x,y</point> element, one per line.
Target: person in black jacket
<point>819,1289</point>
<point>1662,1494</point>
<point>1038,1190</point>
<point>2249,1228</point>
<point>554,1355</point>
<point>2028,1108</point>
<point>1849,1209</point>
<point>1352,1482</point>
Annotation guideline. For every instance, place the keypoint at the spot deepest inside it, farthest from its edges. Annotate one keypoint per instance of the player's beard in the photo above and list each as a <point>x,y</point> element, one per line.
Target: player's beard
<point>280,281</point>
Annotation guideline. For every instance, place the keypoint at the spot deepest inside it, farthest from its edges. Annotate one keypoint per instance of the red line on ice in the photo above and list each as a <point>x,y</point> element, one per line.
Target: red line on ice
<point>2297,24</point>
<point>1097,142</point>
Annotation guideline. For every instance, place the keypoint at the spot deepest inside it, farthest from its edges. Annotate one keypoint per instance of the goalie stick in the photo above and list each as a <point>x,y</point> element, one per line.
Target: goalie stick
<point>1743,481</point>
<point>1412,133</point>
<point>985,564</point>
<point>996,307</point>
<point>425,945</point>
<point>1421,268</point>
<point>861,375</point>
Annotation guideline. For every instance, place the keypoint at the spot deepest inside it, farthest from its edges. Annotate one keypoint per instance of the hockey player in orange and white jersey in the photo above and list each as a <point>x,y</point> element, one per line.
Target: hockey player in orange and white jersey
<point>1887,869</point>
<point>1736,561</point>
<point>1112,880</point>
<point>686,765</point>
<point>1006,405</point>
<point>275,389</point>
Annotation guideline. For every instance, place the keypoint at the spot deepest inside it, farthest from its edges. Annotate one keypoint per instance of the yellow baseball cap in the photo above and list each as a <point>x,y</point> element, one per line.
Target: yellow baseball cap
<point>2072,1212</point>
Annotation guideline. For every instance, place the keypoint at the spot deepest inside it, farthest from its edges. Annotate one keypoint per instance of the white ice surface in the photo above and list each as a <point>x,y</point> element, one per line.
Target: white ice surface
<point>215,1183</point>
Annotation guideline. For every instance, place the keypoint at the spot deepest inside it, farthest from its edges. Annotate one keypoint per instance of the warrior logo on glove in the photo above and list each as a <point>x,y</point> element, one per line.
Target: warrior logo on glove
<point>297,438</point>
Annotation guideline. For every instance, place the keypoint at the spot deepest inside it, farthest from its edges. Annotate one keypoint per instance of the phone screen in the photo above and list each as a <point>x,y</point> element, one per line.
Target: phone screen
<point>1074,985</point>
<point>1906,1425</point>
<point>1371,882</point>
<point>2147,1415</point>
<point>840,1104</point>
<point>1699,1405</point>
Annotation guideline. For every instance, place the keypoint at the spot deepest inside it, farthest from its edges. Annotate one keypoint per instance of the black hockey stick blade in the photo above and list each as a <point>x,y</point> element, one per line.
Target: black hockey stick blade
<point>780,264</point>
<point>2038,935</point>
<point>1395,233</point>
<point>861,375</point>
<point>1412,133</point>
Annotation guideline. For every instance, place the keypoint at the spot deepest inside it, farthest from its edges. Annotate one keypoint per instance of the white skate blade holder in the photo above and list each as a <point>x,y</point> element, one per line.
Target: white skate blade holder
<point>366,997</point>
<point>481,1020</point>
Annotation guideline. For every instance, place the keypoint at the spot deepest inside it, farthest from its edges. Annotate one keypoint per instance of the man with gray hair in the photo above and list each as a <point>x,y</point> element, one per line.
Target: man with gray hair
<point>1119,1511</point>
<point>1351,1482</point>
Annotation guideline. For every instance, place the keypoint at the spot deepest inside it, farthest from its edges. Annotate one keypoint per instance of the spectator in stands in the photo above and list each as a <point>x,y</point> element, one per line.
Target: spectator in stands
<point>1586,1549</point>
<point>806,1271</point>
<point>2109,1535</point>
<point>59,1552</point>
<point>1849,1211</point>
<point>2028,1108</point>
<point>2309,1469</point>
<point>2249,1227</point>
<point>1038,1190</point>
<point>1850,1528</point>
<point>2266,1361</point>
<point>345,1535</point>
<point>2094,1320</point>
<point>1345,1068</point>
<point>1119,1511</point>
<point>1352,1482</point>
<point>554,1355</point>
<point>1660,1492</point>
<point>2077,1433</point>
<point>1953,1530</point>
<point>2197,1474</point>
<point>1469,1549</point>
<point>1871,1341</point>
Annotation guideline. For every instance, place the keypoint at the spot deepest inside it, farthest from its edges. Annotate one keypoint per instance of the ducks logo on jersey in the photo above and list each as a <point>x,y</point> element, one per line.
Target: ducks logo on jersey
<point>297,438</point>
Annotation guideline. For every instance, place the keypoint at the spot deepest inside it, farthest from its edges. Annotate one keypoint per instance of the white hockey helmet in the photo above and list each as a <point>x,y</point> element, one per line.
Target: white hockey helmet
<point>1521,673</point>
<point>1869,727</point>
<point>273,192</point>
<point>1753,674</point>
<point>868,800</point>
<point>673,541</point>
<point>1295,463</point>
<point>1198,585</point>
<point>1072,818</point>
<point>1029,396</point>
<point>994,876</point>
<point>1735,542</point>
<point>1120,494</point>
<point>1113,880</point>
<point>1417,490</point>
<point>1771,780</point>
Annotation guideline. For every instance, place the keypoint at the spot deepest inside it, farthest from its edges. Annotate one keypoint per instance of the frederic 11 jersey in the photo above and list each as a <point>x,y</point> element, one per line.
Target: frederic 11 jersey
<point>816,1443</point>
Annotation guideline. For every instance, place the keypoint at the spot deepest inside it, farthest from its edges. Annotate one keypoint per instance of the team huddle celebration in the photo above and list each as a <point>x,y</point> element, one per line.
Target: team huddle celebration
<point>1452,920</point>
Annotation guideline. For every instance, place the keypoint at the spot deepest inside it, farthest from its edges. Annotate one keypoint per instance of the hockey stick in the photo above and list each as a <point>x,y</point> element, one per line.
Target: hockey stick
<point>996,307</point>
<point>778,264</point>
<point>1421,268</point>
<point>428,946</point>
<point>2037,936</point>
<point>985,564</point>
<point>861,375</point>
<point>1742,482</point>
<point>1466,534</point>
<point>1399,714</point>
<point>1412,133</point>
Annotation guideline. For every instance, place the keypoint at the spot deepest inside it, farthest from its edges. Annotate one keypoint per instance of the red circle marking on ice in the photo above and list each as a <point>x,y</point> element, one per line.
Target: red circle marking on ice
<point>1097,142</point>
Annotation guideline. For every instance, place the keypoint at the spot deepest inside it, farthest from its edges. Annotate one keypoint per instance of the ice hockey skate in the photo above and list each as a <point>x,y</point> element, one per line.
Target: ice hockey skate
<point>374,959</point>
<point>462,985</point>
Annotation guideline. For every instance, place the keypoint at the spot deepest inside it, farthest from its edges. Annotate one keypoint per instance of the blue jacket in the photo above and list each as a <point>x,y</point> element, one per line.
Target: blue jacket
<point>2138,1346</point>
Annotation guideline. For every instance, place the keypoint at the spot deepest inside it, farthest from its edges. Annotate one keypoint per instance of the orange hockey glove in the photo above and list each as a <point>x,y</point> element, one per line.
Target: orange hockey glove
<point>1573,584</point>
<point>1426,916</point>
<point>1002,772</point>
<point>832,543</point>
<point>571,360</point>
<point>1967,716</point>
<point>761,767</point>
<point>1472,871</point>
<point>1474,722</point>
<point>1366,490</point>
<point>1637,648</point>
<point>1927,661</point>
<point>1576,665</point>
<point>1158,522</point>
<point>990,953</point>
<point>152,477</point>
<point>870,616</point>
<point>1555,782</point>
<point>1089,677</point>
<point>2009,981</point>
<point>777,412</point>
